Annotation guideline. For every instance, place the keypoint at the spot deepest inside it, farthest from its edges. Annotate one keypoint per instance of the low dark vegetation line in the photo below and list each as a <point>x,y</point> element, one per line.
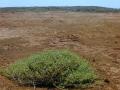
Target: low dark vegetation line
<point>64,8</point>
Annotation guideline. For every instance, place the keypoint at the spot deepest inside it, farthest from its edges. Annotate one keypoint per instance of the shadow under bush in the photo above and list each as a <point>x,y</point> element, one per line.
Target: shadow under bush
<point>57,68</point>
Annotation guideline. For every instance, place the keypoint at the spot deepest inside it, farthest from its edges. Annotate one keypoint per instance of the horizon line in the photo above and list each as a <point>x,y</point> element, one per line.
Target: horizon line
<point>59,6</point>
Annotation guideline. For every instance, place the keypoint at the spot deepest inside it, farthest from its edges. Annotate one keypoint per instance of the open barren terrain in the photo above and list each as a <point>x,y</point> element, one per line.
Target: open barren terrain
<point>94,36</point>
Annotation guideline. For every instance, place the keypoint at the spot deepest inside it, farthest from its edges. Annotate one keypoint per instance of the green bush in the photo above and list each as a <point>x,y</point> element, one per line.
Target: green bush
<point>60,68</point>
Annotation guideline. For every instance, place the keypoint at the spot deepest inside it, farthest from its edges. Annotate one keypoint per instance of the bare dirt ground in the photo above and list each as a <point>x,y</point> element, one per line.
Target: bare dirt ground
<point>94,36</point>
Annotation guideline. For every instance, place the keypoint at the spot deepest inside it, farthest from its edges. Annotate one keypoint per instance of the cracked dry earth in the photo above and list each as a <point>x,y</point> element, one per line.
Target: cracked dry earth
<point>94,36</point>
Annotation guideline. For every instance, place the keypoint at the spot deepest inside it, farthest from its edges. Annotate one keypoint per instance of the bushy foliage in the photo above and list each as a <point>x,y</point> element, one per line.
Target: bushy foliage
<point>58,68</point>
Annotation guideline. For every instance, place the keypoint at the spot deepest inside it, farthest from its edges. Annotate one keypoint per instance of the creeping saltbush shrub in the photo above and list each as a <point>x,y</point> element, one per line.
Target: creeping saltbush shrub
<point>57,68</point>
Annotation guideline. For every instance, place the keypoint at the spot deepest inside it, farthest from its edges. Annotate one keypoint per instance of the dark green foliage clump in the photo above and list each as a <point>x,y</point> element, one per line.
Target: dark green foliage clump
<point>52,68</point>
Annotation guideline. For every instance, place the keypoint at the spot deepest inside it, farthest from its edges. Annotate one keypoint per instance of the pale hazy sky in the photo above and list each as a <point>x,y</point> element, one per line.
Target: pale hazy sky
<point>19,3</point>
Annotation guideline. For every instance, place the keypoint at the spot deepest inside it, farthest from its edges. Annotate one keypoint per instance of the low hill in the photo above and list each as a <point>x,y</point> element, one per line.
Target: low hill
<point>55,8</point>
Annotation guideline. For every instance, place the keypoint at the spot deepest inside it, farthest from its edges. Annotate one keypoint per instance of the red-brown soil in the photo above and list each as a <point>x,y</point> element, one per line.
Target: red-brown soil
<point>94,36</point>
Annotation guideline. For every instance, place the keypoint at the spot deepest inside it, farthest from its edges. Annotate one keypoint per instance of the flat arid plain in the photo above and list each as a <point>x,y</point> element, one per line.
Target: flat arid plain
<point>94,36</point>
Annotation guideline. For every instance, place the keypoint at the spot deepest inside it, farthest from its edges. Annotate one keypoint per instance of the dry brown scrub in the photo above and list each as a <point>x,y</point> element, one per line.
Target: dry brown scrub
<point>95,36</point>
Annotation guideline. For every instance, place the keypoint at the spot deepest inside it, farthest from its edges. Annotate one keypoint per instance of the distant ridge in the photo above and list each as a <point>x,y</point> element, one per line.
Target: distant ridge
<point>62,8</point>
